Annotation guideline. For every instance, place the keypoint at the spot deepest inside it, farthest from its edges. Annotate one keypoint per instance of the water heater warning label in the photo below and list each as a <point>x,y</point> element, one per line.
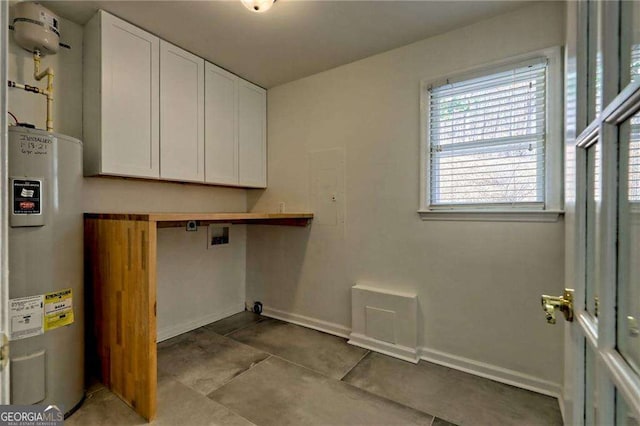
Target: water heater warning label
<point>27,196</point>
<point>58,309</point>
<point>25,314</point>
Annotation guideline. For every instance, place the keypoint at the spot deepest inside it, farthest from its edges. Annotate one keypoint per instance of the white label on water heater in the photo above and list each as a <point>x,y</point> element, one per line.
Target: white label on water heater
<point>25,314</point>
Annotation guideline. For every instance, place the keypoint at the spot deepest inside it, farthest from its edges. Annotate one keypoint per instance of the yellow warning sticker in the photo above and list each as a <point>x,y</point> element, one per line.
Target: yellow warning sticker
<point>58,309</point>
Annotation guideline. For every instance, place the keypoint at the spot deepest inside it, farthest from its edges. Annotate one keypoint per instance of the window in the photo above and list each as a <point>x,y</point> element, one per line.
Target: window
<point>491,139</point>
<point>634,160</point>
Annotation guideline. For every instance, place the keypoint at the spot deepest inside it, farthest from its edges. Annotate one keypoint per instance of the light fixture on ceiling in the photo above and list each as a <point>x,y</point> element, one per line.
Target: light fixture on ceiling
<point>258,6</point>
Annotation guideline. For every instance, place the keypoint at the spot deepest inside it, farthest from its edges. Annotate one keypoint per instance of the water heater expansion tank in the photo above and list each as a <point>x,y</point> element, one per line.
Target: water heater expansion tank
<point>36,28</point>
<point>46,295</point>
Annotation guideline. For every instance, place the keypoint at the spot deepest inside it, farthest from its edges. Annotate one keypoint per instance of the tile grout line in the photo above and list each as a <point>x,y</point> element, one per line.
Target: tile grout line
<point>233,411</point>
<point>303,366</point>
<point>285,359</point>
<point>269,355</point>
<point>390,400</point>
<point>329,377</point>
<point>272,355</point>
<point>177,380</point>
<point>231,380</point>
<point>355,365</point>
<point>229,408</point>
<point>251,367</point>
<point>244,327</point>
<point>238,342</point>
<point>325,376</point>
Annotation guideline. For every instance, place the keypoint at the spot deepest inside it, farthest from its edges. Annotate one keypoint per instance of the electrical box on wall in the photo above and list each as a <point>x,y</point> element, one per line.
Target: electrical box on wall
<point>326,173</point>
<point>218,234</point>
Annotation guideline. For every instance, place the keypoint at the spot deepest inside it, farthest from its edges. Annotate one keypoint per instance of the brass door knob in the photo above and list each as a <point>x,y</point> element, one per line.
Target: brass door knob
<point>563,303</point>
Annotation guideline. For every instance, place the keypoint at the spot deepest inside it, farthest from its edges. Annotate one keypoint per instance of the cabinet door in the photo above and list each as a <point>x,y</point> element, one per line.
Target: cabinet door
<point>181,114</point>
<point>221,126</point>
<point>130,106</point>
<point>252,135</point>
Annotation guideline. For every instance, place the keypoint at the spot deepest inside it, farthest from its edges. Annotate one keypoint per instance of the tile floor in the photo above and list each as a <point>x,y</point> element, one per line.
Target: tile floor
<point>248,369</point>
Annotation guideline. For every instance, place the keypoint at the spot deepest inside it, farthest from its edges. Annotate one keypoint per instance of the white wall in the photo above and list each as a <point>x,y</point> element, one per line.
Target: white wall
<point>196,286</point>
<point>223,273</point>
<point>479,283</point>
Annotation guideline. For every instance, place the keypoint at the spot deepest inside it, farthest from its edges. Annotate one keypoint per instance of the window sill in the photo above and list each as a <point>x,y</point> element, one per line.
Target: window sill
<point>492,215</point>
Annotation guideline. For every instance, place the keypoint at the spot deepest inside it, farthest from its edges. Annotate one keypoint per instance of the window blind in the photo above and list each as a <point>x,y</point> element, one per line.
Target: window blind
<point>634,160</point>
<point>487,139</point>
<point>635,62</point>
<point>634,143</point>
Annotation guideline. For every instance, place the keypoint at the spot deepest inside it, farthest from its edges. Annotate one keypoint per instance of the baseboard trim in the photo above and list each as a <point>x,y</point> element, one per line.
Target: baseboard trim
<point>316,324</point>
<point>492,372</point>
<point>184,327</point>
<point>397,351</point>
<point>481,369</point>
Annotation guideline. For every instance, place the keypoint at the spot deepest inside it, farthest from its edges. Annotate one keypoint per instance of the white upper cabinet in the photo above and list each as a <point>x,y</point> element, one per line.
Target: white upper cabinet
<point>221,126</point>
<point>252,135</point>
<point>154,110</point>
<point>236,139</point>
<point>121,99</point>
<point>182,120</point>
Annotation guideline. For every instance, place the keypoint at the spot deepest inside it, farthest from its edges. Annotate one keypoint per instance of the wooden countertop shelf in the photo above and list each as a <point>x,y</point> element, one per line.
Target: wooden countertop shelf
<point>121,281</point>
<point>164,220</point>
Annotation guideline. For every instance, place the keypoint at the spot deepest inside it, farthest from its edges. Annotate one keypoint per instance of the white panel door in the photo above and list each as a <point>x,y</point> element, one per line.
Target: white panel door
<point>181,114</point>
<point>252,135</point>
<point>130,106</point>
<point>602,342</point>
<point>221,126</point>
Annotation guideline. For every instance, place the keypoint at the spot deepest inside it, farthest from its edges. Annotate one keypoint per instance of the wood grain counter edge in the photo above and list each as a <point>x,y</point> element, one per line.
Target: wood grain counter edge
<point>205,217</point>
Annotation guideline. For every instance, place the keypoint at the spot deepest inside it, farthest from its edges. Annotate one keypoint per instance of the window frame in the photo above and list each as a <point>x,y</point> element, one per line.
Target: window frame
<point>554,182</point>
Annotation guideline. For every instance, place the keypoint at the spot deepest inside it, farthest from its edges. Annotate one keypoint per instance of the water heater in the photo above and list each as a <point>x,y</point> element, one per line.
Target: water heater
<point>46,269</point>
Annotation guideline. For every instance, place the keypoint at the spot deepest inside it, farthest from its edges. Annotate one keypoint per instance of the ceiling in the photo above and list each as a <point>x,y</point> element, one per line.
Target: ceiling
<point>295,38</point>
